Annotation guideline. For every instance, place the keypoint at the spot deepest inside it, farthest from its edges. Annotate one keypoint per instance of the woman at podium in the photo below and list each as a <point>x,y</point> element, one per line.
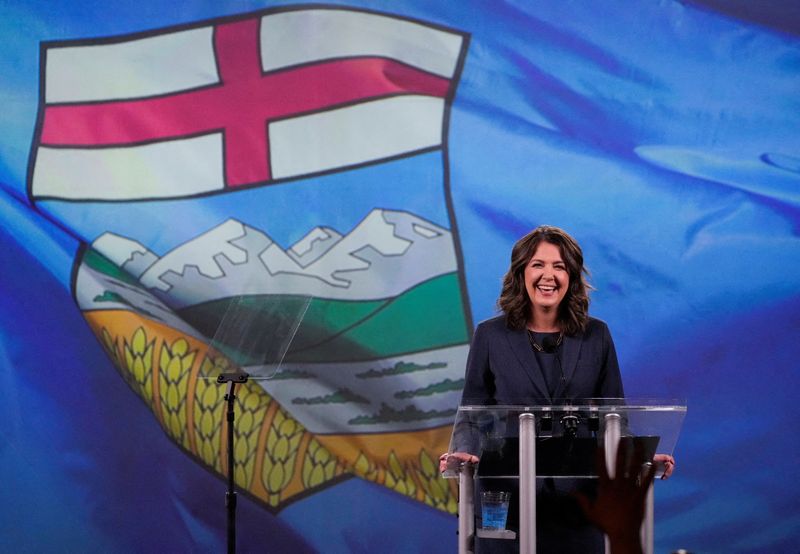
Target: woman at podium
<point>544,346</point>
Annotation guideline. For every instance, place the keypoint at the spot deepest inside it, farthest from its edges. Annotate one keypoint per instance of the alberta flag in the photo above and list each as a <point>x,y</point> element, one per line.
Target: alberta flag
<point>291,113</point>
<point>178,178</point>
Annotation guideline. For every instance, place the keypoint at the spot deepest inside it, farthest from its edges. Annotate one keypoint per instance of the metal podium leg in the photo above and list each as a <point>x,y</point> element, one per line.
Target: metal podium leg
<point>648,525</point>
<point>611,442</point>
<point>527,484</point>
<point>466,509</point>
<point>611,437</point>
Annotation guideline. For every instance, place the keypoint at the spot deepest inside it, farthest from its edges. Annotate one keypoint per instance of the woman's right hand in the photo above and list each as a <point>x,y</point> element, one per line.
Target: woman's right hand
<point>450,460</point>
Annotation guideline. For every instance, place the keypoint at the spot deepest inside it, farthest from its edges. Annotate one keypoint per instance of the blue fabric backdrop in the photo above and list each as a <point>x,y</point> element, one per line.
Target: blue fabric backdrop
<point>662,135</point>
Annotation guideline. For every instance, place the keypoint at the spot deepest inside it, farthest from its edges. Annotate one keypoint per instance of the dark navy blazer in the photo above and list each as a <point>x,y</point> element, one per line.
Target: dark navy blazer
<point>502,367</point>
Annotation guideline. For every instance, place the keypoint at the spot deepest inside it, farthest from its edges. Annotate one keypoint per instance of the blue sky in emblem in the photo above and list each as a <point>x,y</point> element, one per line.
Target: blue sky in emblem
<point>285,212</point>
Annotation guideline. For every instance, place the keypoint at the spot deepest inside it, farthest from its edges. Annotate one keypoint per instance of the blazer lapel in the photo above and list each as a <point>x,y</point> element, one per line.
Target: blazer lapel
<point>570,353</point>
<point>520,345</point>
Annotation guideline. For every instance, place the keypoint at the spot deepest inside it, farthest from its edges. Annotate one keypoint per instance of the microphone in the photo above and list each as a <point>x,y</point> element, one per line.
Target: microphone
<point>550,345</point>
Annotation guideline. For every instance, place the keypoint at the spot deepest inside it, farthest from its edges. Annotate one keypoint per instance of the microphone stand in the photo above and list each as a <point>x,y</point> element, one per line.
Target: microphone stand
<point>230,496</point>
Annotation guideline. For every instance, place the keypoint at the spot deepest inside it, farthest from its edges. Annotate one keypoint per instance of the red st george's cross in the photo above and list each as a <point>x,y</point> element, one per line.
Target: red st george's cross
<point>241,105</point>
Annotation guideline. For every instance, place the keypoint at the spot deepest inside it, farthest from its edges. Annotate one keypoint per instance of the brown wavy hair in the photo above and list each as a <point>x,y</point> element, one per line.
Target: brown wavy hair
<point>573,312</point>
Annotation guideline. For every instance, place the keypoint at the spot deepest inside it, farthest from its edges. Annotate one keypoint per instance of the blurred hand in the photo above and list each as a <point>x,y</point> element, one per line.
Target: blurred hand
<point>618,510</point>
<point>451,460</point>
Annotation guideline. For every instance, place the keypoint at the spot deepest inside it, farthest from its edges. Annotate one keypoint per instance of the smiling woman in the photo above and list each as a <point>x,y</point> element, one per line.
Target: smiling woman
<point>543,349</point>
<point>545,288</point>
<point>546,280</point>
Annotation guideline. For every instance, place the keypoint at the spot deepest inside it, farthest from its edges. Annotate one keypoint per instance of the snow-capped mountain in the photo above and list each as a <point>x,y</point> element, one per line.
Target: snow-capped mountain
<point>318,241</point>
<point>387,253</point>
<point>128,254</point>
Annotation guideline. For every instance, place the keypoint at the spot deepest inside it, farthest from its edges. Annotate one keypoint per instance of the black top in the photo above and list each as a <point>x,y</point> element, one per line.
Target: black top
<point>549,362</point>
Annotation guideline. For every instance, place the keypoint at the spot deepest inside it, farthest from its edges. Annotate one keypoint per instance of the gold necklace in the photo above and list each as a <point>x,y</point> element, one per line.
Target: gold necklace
<point>538,347</point>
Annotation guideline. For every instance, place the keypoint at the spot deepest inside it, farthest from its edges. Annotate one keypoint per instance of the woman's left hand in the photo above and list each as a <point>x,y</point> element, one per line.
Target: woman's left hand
<point>450,460</point>
<point>667,461</point>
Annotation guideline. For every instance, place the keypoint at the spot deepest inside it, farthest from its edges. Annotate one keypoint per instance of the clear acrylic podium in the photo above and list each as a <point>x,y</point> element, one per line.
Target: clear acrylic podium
<point>556,441</point>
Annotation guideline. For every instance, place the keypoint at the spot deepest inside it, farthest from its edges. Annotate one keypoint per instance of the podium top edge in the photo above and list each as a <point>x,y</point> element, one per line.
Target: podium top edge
<point>630,404</point>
